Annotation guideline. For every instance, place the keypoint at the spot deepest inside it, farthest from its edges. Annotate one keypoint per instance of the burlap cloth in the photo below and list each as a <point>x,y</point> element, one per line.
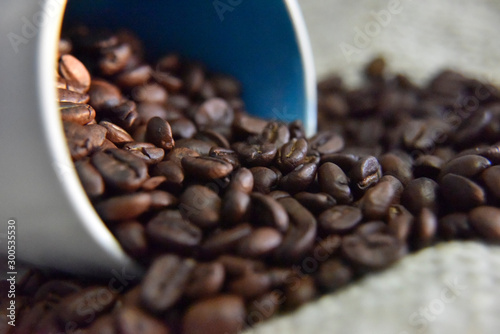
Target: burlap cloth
<point>451,288</point>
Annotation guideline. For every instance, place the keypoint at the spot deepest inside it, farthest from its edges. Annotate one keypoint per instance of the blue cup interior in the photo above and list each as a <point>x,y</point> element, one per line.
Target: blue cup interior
<point>255,41</point>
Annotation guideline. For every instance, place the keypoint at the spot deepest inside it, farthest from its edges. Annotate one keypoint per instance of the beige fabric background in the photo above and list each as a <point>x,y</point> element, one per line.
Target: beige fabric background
<point>449,289</point>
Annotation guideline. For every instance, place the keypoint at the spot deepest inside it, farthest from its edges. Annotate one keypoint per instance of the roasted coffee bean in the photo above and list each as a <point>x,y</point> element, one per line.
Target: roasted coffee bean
<point>104,95</point>
<point>120,169</point>
<point>327,247</point>
<point>261,241</point>
<point>246,125</point>
<point>268,211</point>
<point>486,222</point>
<point>161,199</point>
<point>216,315</point>
<point>255,155</point>
<point>365,173</point>
<point>372,252</point>
<point>90,178</point>
<point>114,59</point>
<point>178,153</point>
<point>242,180</point>
<point>206,167</point>
<point>400,222</point>
<point>466,165</point>
<point>182,128</point>
<point>333,274</point>
<point>147,152</point>
<point>236,266</point>
<point>170,230</point>
<point>455,226</point>
<point>75,74</point>
<point>327,142</point>
<point>199,146</point>
<point>115,133</point>
<point>97,299</point>
<point>164,282</point>
<point>340,219</point>
<point>461,193</point>
<point>172,171</point>
<point>158,132</point>
<point>250,285</point>
<point>124,114</point>
<point>265,179</point>
<point>299,238</point>
<point>148,110</point>
<point>83,140</point>
<point>291,154</point>
<point>278,194</point>
<point>132,237</point>
<point>201,206</point>
<point>393,165</point>
<point>333,181</point>
<point>130,320</point>
<point>206,280</point>
<point>425,228</point>
<point>76,112</point>
<point>315,203</point>
<point>213,112</point>
<point>377,200</point>
<point>276,133</point>
<point>344,160</point>
<point>235,206</point>
<point>299,179</point>
<point>134,77</point>
<point>226,155</point>
<point>420,193</point>
<point>124,207</point>
<point>491,179</point>
<point>226,240</point>
<point>263,307</point>
<point>301,291</point>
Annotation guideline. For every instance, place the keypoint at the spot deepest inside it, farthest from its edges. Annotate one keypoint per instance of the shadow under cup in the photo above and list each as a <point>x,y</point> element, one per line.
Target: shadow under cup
<point>263,44</point>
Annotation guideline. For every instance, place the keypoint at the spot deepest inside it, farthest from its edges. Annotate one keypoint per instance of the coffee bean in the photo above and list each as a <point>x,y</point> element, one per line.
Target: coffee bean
<point>376,201</point>
<point>300,292</point>
<point>201,206</point>
<point>428,166</point>
<point>242,180</point>
<point>425,228</point>
<point>466,165</point>
<point>327,142</point>
<point>315,203</point>
<point>134,77</point>
<point>333,274</point>
<point>206,167</point>
<point>182,128</point>
<point>124,114</point>
<point>105,324</point>
<point>236,266</point>
<point>255,155</point>
<point>124,207</point>
<point>90,178</point>
<point>269,212</point>
<point>327,247</point>
<point>225,241</point>
<point>226,155</point>
<point>147,152</point>
<point>262,241</point>
<point>420,193</point>
<point>220,314</point>
<point>455,226</point>
<point>172,171</point>
<point>74,73</point>
<point>162,199</point>
<point>120,169</point>
<point>344,160</point>
<point>491,179</point>
<point>461,193</point>
<point>114,59</point>
<point>393,165</point>
<point>104,95</point>
<point>235,206</point>
<point>115,133</point>
<point>333,181</point>
<point>170,230</point>
<point>365,173</point>
<point>96,300</point>
<point>250,285</point>
<point>76,112</point>
<point>178,153</point>
<point>486,222</point>
<point>340,219</point>
<point>132,237</point>
<point>299,179</point>
<point>130,320</point>
<point>164,282</point>
<point>400,222</point>
<point>276,133</point>
<point>83,140</point>
<point>158,132</point>
<point>206,280</point>
<point>265,179</point>
<point>263,307</point>
<point>291,154</point>
<point>299,238</point>
<point>201,147</point>
<point>213,112</point>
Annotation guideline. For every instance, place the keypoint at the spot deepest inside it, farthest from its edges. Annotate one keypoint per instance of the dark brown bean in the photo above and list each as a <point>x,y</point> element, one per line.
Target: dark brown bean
<point>428,166</point>
<point>300,291</point>
<point>425,228</point>
<point>333,181</point>
<point>242,180</point>
<point>214,112</point>
<point>206,280</point>
<point>316,203</point>
<point>466,165</point>
<point>206,167</point>
<point>115,133</point>
<point>461,193</point>
<point>196,145</point>
<point>124,207</point>
<point>114,59</point>
<point>269,212</point>
<point>90,178</point>
<point>225,241</point>
<point>400,222</point>
<point>132,237</point>
<point>263,307</point>
<point>164,282</point>
<point>75,73</point>
<point>104,95</point>
<point>201,206</point>
<point>235,206</point>
<point>76,112</point>
<point>159,132</point>
<point>344,160</point>
<point>377,200</point>
<point>420,193</point>
<point>491,179</point>
<point>455,226</point>
<point>276,133</point>
<point>83,140</point>
<point>161,199</point>
<point>220,314</point>
<point>340,219</point>
<point>170,230</point>
<point>255,155</point>
<point>262,241</point>
<point>299,179</point>
<point>134,77</point>
<point>250,285</point>
<point>333,274</point>
<point>124,114</point>
<point>486,221</point>
<point>264,178</point>
<point>131,320</point>
<point>291,154</point>
<point>120,169</point>
<point>147,152</point>
<point>394,165</point>
<point>365,173</point>
<point>327,142</point>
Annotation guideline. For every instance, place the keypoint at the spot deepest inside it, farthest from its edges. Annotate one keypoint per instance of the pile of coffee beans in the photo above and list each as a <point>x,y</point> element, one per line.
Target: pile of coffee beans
<point>237,218</point>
